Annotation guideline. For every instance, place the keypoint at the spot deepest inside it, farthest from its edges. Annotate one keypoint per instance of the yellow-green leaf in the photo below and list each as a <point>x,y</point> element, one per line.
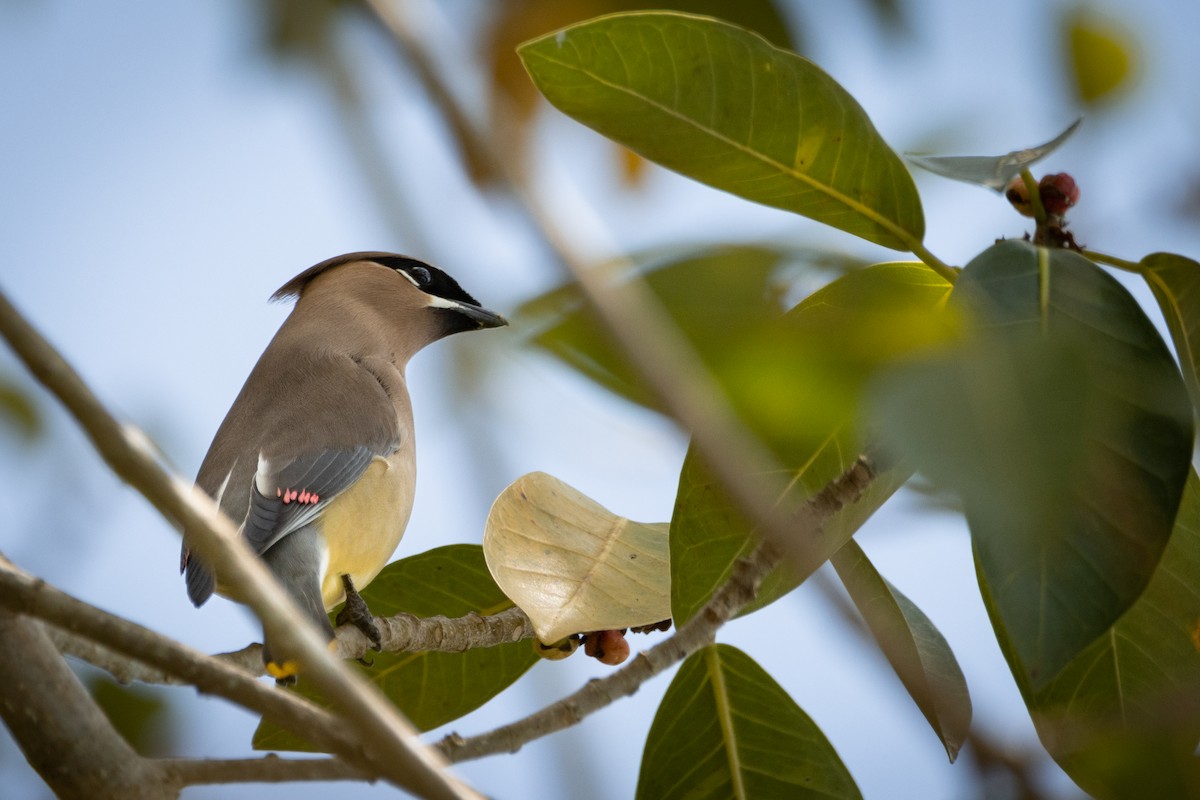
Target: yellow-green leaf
<point>724,106</point>
<point>912,644</point>
<point>717,297</point>
<point>1175,282</point>
<point>140,714</point>
<point>430,688</point>
<point>1101,54</point>
<point>798,388</point>
<point>726,729</point>
<point>19,410</point>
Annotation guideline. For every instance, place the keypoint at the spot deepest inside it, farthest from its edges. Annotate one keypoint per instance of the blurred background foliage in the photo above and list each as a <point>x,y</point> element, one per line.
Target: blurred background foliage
<point>495,143</point>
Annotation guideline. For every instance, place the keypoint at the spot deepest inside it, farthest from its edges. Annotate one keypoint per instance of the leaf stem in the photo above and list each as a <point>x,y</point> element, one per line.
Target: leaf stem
<point>1113,261</point>
<point>1035,197</point>
<point>949,273</point>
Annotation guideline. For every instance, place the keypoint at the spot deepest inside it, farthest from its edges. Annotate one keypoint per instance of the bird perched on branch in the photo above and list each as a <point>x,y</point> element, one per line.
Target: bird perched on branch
<point>315,459</point>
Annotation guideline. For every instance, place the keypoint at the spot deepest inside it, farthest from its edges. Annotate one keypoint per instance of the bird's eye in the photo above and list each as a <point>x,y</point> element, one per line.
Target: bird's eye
<point>420,275</point>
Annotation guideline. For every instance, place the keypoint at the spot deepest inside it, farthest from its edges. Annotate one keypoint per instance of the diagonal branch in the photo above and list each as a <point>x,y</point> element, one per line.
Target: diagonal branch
<point>390,743</point>
<point>663,358</point>
<point>643,331</point>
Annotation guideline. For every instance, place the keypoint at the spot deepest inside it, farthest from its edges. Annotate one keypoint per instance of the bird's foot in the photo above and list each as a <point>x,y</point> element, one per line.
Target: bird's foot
<point>356,613</point>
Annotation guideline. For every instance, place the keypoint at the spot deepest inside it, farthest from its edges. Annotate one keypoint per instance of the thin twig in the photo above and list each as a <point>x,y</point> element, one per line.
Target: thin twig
<point>740,589</point>
<point>390,742</point>
<point>268,769</point>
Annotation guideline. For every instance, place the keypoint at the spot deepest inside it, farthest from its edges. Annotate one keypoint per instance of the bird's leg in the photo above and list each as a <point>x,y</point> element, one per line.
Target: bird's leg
<point>357,614</point>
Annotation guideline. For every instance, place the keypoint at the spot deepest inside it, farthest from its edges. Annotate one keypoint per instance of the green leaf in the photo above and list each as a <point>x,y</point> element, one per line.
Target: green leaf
<point>140,714</point>
<point>726,729</point>
<point>430,688</point>
<point>723,106</point>
<point>515,21</point>
<point>1133,690</point>
<point>717,298</point>
<point>1065,427</point>
<point>798,388</point>
<point>1175,282</point>
<point>19,410</point>
<point>709,534</point>
<point>914,647</point>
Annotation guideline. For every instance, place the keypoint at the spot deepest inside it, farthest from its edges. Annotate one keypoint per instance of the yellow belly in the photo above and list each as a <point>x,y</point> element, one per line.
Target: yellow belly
<point>363,526</point>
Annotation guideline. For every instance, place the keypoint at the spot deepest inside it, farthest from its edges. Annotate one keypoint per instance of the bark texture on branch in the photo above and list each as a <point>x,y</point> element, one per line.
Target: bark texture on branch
<point>64,735</point>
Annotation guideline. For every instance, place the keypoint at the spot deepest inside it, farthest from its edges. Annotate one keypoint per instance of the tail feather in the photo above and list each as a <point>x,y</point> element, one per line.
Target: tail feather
<point>200,579</point>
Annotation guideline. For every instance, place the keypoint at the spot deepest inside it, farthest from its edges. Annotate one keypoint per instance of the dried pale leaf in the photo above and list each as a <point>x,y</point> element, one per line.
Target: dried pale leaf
<point>994,172</point>
<point>571,564</point>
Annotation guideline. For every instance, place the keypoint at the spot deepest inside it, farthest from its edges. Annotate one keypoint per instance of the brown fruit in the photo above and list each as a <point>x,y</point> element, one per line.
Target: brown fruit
<point>607,647</point>
<point>1018,195</point>
<point>1058,193</point>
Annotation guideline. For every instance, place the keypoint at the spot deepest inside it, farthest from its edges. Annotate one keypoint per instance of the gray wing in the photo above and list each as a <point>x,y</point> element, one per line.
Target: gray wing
<point>277,480</point>
<point>283,499</point>
<point>287,497</point>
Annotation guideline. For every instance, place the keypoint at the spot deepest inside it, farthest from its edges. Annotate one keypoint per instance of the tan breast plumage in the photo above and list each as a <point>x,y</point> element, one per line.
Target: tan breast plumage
<point>363,525</point>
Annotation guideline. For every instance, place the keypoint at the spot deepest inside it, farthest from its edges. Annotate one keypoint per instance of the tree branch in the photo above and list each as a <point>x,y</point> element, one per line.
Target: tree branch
<point>642,330</point>
<point>390,743</point>
<point>142,649</point>
<point>63,733</point>
<point>407,633</point>
<point>130,652</point>
<point>662,357</point>
<point>268,769</point>
<point>740,589</point>
<point>402,633</point>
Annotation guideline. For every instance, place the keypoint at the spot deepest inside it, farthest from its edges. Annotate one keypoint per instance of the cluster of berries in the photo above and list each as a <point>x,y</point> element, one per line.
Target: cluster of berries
<point>1058,193</point>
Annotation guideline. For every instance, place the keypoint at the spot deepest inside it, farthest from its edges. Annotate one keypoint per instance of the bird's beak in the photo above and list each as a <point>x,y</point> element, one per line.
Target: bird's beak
<point>483,318</point>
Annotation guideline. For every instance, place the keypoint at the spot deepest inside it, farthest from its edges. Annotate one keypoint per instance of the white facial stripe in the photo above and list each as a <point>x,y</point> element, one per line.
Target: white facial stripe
<point>441,302</point>
<point>434,301</point>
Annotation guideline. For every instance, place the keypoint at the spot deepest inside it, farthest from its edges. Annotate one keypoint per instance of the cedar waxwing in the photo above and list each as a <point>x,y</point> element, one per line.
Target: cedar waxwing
<point>315,459</point>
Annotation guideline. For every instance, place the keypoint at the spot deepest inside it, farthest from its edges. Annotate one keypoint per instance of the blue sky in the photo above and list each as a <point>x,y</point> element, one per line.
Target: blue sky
<point>160,178</point>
